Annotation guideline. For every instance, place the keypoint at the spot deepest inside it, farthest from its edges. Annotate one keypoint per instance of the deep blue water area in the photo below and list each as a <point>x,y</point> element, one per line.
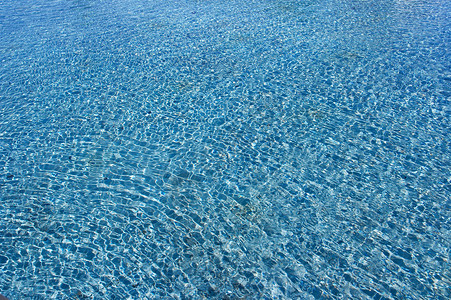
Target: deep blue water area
<point>211,149</point>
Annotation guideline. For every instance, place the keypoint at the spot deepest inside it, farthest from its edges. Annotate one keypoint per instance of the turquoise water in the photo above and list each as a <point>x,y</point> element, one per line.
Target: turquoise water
<point>225,149</point>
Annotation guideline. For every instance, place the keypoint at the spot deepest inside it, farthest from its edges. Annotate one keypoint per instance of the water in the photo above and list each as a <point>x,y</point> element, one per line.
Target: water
<point>225,149</point>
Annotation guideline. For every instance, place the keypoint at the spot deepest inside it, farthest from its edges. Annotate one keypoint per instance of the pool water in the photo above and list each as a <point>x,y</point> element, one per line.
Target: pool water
<point>240,149</point>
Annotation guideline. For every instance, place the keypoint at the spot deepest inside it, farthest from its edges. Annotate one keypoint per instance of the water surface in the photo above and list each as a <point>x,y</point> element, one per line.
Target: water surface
<point>191,149</point>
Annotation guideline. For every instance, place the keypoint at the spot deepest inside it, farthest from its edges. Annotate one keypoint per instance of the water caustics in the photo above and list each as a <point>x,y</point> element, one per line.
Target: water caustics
<point>191,149</point>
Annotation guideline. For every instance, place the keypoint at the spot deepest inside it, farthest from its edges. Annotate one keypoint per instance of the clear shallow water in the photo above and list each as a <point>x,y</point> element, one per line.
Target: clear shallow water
<point>225,149</point>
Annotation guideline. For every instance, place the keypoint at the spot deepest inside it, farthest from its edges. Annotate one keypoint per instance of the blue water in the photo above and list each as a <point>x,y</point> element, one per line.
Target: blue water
<point>240,149</point>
